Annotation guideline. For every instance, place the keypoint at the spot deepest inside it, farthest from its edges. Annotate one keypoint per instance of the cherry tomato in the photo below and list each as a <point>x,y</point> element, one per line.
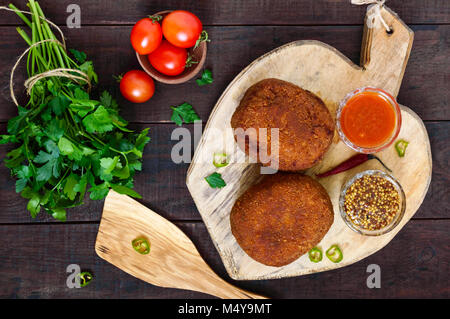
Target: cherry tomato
<point>168,59</point>
<point>137,86</point>
<point>146,36</point>
<point>182,28</point>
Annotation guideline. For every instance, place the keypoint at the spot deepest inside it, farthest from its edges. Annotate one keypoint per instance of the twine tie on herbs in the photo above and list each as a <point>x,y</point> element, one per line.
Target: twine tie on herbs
<point>376,13</point>
<point>61,72</point>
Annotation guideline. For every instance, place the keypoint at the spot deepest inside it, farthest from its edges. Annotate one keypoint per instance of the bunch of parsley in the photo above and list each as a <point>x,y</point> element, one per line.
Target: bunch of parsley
<point>68,144</point>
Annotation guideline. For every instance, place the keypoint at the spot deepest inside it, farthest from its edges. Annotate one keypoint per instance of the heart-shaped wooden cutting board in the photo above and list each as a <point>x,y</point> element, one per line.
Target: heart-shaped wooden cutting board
<point>323,70</point>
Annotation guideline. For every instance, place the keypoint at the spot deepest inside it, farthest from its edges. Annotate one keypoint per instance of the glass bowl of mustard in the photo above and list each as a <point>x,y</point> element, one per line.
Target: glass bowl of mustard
<point>372,203</point>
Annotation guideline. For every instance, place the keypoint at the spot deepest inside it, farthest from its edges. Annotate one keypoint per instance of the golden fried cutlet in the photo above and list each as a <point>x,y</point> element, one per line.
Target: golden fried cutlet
<point>306,127</point>
<point>281,218</point>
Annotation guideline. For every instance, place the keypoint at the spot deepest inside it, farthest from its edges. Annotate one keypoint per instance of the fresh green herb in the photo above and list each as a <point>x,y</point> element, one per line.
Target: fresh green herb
<point>334,253</point>
<point>190,61</point>
<point>80,56</point>
<point>215,180</point>
<point>68,143</point>
<point>202,38</point>
<point>220,159</point>
<point>184,112</point>
<point>141,245</point>
<point>315,255</point>
<point>400,147</point>
<point>85,278</point>
<point>206,78</point>
<point>155,18</point>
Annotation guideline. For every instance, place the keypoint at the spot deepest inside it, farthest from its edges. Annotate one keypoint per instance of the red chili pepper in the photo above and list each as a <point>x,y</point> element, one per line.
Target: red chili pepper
<point>350,163</point>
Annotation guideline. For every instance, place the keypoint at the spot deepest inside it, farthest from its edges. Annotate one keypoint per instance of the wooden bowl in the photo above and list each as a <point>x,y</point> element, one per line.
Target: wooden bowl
<point>199,54</point>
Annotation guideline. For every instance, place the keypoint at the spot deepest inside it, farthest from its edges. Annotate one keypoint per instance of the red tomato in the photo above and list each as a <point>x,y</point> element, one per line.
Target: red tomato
<point>137,86</point>
<point>168,59</point>
<point>146,36</point>
<point>182,28</point>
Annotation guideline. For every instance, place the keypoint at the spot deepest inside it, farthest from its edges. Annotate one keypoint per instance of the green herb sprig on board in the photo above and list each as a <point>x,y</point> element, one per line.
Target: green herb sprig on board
<point>67,143</point>
<point>215,180</point>
<point>184,112</point>
<point>206,78</point>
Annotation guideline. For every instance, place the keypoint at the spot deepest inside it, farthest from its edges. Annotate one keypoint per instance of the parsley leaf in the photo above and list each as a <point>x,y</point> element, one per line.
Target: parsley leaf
<point>184,112</point>
<point>108,164</point>
<point>58,104</point>
<point>33,205</point>
<point>82,107</point>
<point>215,180</point>
<point>88,68</point>
<point>69,187</point>
<point>21,183</point>
<point>99,121</point>
<point>5,139</point>
<point>206,78</point>
<point>58,213</point>
<point>99,192</point>
<point>23,174</point>
<point>18,122</point>
<point>69,149</point>
<point>79,94</point>
<point>125,190</point>
<point>107,100</point>
<point>80,187</point>
<point>142,140</point>
<point>50,161</point>
<point>80,56</point>
<point>54,129</point>
<point>15,158</point>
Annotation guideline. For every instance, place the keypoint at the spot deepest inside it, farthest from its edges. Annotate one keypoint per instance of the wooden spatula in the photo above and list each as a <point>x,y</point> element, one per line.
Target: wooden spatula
<point>173,261</point>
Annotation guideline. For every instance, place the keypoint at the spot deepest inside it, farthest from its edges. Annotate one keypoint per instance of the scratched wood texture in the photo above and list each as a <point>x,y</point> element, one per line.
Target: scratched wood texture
<point>416,264</point>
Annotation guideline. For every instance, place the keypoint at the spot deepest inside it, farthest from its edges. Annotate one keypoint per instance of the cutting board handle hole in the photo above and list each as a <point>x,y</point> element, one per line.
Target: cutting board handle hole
<point>391,31</point>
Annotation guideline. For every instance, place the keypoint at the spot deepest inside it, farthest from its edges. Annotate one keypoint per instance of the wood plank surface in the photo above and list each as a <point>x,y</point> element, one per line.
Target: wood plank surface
<point>238,12</point>
<point>415,265</point>
<point>162,182</point>
<point>424,87</point>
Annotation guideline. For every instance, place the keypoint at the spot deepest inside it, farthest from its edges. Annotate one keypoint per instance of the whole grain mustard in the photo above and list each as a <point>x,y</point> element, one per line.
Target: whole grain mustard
<point>372,202</point>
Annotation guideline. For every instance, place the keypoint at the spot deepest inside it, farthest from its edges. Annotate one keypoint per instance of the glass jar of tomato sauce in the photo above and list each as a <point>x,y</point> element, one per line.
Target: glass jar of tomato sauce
<point>368,120</point>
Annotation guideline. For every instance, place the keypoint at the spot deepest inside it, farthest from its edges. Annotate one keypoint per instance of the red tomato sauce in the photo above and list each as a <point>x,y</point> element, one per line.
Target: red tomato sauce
<point>368,119</point>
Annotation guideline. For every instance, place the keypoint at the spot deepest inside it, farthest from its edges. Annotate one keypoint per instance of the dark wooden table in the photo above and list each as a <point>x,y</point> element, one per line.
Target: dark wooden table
<point>34,253</point>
